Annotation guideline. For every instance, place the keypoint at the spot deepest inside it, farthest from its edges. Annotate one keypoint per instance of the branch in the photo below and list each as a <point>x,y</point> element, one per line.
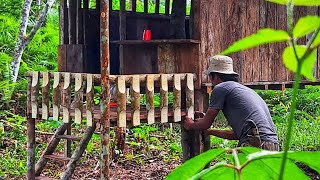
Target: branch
<point>40,21</point>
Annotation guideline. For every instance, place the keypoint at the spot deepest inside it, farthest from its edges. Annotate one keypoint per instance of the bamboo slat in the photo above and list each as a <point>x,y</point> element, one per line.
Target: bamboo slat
<point>78,98</point>
<point>150,97</point>
<point>190,96</point>
<point>66,98</point>
<point>34,94</point>
<point>164,98</point>
<point>135,100</point>
<point>90,102</point>
<point>56,95</point>
<point>122,101</point>
<point>177,97</point>
<point>45,95</point>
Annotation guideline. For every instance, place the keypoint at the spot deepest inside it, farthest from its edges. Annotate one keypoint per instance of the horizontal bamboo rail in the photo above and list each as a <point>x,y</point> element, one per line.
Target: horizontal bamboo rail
<point>73,97</point>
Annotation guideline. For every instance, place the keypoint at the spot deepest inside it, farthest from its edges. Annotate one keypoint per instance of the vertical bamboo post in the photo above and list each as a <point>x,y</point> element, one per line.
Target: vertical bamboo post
<point>45,95</point>
<point>122,101</point>
<point>190,96</point>
<point>34,94</point>
<point>56,95</point>
<point>135,100</point>
<point>66,98</point>
<point>31,136</point>
<point>105,72</point>
<point>78,98</point>
<point>90,102</point>
<point>150,97</point>
<point>177,97</point>
<point>164,98</point>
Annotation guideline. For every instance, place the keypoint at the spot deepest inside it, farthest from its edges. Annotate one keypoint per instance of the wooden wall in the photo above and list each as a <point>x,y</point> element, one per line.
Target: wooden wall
<point>222,22</point>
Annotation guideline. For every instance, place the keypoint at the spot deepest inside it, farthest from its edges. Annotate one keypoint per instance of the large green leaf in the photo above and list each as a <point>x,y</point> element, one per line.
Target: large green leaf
<point>263,36</point>
<point>195,165</point>
<point>290,60</point>
<point>316,41</point>
<point>298,2</point>
<point>306,25</point>
<point>221,173</point>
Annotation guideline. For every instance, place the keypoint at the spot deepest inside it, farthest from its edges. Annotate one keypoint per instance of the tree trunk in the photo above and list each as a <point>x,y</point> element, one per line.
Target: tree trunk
<point>23,39</point>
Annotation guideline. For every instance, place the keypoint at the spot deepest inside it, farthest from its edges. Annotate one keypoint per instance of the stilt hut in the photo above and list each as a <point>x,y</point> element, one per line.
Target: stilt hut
<point>103,42</point>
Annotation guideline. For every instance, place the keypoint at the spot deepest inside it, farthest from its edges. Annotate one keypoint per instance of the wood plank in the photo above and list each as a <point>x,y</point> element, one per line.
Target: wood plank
<point>150,98</point>
<point>34,94</point>
<point>66,98</point>
<point>157,8</point>
<point>134,5</point>
<point>263,50</point>
<point>62,58</point>
<point>45,95</point>
<point>167,7</point>
<point>56,96</point>
<point>90,100</point>
<point>166,58</point>
<point>57,158</point>
<point>135,100</point>
<point>145,6</point>
<point>190,96</point>
<point>164,98</point>
<point>177,98</point>
<point>122,101</point>
<point>78,98</point>
<point>68,137</point>
<point>72,21</point>
<point>75,58</point>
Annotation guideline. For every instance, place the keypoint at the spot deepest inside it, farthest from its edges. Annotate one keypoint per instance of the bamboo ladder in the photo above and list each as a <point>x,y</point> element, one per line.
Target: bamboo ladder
<point>73,101</point>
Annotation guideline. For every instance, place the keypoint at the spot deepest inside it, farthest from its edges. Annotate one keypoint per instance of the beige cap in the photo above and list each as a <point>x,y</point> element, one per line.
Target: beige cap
<point>220,64</point>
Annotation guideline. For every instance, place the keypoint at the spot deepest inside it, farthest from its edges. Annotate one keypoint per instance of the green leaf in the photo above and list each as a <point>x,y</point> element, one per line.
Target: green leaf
<point>195,165</point>
<point>290,60</point>
<point>263,36</point>
<point>298,2</point>
<point>316,41</point>
<point>306,25</point>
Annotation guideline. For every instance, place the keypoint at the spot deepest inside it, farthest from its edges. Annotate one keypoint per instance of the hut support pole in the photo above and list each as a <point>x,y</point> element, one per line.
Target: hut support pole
<point>105,72</point>
<point>31,149</point>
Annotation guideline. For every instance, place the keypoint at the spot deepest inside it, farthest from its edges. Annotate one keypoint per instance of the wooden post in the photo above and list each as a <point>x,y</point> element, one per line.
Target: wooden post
<point>90,102</point>
<point>145,6</point>
<point>177,97</point>
<point>122,30</point>
<point>150,98</point>
<point>78,98</point>
<point>45,95</point>
<point>122,101</point>
<point>72,21</point>
<point>105,72</point>
<point>66,99</point>
<point>56,95</point>
<point>167,7</point>
<point>135,100</point>
<point>31,136</point>
<point>164,98</point>
<point>177,19</point>
<point>157,7</point>
<point>134,5</point>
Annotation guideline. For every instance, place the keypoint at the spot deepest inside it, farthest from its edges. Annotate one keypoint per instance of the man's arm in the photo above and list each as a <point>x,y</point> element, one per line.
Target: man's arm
<point>201,123</point>
<point>225,134</point>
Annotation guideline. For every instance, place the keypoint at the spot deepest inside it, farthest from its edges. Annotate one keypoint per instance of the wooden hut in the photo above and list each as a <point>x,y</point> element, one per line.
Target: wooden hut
<point>94,35</point>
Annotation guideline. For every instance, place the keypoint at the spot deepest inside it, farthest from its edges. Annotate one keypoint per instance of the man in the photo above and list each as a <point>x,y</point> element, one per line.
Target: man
<point>245,111</point>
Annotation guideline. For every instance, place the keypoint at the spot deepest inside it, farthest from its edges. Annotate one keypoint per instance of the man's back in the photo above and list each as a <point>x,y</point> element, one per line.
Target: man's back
<point>239,104</point>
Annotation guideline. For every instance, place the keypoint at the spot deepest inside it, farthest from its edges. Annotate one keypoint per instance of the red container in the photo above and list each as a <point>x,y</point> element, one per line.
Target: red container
<point>147,35</point>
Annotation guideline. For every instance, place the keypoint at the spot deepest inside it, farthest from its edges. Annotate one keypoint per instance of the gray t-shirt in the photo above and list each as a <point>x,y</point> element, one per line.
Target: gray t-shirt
<point>240,103</point>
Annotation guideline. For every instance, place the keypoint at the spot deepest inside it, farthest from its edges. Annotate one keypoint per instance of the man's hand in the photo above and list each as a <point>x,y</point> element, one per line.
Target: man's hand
<point>187,123</point>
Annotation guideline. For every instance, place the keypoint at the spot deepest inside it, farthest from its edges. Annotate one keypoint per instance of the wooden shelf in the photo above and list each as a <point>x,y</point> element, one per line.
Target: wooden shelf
<point>156,42</point>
